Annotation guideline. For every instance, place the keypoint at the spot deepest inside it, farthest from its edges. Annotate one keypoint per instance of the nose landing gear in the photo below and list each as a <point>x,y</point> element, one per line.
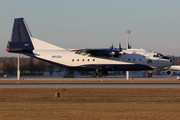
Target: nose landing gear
<point>149,75</point>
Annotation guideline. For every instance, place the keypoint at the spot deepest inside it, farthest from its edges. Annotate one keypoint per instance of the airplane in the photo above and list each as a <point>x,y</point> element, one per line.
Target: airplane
<point>174,69</point>
<point>100,60</point>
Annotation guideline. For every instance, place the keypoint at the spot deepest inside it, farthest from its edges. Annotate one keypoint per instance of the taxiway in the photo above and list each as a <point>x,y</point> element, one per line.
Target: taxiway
<point>132,84</point>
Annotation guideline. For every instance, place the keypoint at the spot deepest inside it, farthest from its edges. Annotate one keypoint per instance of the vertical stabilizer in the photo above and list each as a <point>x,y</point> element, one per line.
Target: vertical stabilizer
<point>20,31</point>
<point>21,38</point>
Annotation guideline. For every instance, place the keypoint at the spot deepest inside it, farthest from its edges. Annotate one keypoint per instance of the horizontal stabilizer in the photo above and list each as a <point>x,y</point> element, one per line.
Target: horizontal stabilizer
<point>39,44</point>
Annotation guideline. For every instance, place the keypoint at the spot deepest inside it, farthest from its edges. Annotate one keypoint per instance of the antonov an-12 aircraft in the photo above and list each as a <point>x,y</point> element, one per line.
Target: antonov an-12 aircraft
<point>98,60</point>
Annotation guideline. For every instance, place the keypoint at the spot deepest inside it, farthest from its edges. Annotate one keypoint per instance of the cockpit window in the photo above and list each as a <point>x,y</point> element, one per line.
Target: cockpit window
<point>160,56</point>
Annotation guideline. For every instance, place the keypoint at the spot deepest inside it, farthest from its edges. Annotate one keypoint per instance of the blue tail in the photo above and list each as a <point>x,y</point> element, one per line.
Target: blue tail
<point>21,38</point>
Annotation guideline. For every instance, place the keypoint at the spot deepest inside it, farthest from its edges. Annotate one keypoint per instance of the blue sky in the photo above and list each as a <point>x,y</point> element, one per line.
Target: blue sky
<point>154,24</point>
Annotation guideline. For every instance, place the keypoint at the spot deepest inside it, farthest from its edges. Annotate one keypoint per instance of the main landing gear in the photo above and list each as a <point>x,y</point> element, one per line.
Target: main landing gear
<point>100,73</point>
<point>149,75</point>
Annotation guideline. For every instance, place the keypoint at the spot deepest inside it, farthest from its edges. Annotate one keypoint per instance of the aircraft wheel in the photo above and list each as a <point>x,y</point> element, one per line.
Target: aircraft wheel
<point>149,75</point>
<point>100,74</point>
<point>94,74</point>
<point>105,73</point>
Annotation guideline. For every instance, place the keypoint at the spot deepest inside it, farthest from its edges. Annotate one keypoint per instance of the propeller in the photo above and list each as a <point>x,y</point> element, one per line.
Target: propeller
<point>129,46</point>
<point>120,49</point>
<point>111,51</point>
<point>120,52</point>
<point>116,52</point>
<point>173,60</point>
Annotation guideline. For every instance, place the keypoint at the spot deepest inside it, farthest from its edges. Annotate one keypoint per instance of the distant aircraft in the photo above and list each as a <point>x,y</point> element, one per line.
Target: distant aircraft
<point>100,60</point>
<point>169,72</point>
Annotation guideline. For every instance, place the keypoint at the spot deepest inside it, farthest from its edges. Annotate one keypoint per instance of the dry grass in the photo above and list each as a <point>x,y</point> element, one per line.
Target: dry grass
<point>89,104</point>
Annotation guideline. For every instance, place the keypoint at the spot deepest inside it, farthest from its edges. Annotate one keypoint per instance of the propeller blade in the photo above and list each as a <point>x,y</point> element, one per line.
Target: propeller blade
<point>112,47</point>
<point>111,50</point>
<point>129,46</point>
<point>120,49</point>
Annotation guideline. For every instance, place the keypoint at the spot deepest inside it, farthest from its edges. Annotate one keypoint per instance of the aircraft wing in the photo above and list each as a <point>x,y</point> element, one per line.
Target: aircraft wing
<point>94,52</point>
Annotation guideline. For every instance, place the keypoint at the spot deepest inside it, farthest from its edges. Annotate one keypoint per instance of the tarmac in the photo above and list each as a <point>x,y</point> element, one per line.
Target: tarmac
<point>100,84</point>
<point>90,78</point>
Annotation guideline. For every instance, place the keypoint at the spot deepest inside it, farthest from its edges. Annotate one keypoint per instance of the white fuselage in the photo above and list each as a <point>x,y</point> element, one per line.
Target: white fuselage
<point>69,58</point>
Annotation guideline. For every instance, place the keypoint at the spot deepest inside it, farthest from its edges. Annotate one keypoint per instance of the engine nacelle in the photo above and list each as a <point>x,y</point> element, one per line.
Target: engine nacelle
<point>169,72</point>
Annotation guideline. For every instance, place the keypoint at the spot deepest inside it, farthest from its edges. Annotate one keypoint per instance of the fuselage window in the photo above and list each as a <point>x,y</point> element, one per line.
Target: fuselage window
<point>77,59</point>
<point>73,60</point>
<point>82,59</point>
<point>88,59</point>
<point>93,59</point>
<point>128,59</point>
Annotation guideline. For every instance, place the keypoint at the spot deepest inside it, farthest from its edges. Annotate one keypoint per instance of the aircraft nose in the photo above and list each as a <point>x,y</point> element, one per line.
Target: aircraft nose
<point>171,62</point>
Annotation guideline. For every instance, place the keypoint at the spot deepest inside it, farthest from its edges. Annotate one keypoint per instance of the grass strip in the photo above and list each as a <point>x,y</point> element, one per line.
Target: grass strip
<point>83,104</point>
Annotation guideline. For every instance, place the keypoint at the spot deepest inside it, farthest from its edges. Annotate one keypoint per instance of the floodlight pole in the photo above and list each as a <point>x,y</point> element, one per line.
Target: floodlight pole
<point>18,68</point>
<point>127,32</point>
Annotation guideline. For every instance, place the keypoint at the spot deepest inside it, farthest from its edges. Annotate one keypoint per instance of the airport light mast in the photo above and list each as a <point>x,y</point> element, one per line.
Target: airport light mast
<point>127,32</point>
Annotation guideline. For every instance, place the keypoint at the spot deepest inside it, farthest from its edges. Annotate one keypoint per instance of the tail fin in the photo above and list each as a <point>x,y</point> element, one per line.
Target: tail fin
<point>21,38</point>
<point>23,42</point>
